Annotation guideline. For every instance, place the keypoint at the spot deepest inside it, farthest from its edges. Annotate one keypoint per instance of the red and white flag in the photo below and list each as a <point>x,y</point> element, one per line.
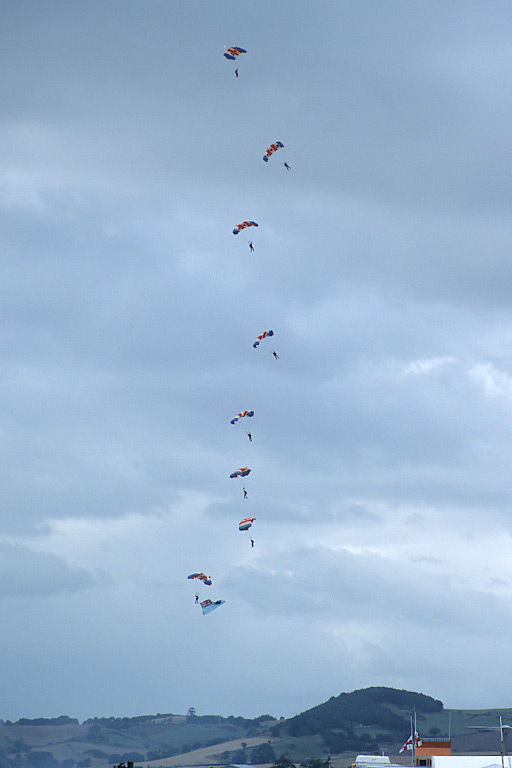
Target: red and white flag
<point>408,744</point>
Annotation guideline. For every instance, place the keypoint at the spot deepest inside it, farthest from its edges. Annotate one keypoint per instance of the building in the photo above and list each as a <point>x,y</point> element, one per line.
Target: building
<point>427,749</point>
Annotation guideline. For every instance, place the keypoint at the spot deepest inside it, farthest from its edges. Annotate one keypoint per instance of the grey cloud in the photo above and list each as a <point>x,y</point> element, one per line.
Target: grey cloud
<point>26,573</point>
<point>369,589</point>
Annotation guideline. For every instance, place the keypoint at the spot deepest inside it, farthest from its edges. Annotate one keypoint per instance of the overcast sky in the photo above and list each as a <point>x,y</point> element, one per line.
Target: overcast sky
<point>381,457</point>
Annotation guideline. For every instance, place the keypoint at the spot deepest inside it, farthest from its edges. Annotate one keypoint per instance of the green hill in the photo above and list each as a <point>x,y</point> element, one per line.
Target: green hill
<point>385,708</point>
<point>359,719</point>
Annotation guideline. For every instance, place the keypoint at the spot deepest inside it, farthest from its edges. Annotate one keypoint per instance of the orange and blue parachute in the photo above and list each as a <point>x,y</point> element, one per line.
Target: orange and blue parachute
<point>241,415</point>
<point>262,336</point>
<point>241,472</point>
<point>246,523</point>
<point>208,606</point>
<point>273,148</point>
<point>243,225</point>
<point>204,578</point>
<point>233,52</point>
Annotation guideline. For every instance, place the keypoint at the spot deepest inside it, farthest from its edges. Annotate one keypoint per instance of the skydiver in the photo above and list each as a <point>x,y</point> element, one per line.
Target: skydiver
<point>275,354</point>
<point>197,598</point>
<point>251,246</point>
<point>245,493</point>
<point>286,166</point>
<point>236,72</point>
<point>249,436</point>
<point>252,543</point>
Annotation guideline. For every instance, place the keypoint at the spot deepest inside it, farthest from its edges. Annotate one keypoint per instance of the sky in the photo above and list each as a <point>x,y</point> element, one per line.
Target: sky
<point>381,456</point>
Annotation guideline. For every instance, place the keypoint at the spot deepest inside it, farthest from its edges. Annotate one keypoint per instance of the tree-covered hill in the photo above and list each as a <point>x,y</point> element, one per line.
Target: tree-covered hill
<point>385,708</point>
<point>338,719</point>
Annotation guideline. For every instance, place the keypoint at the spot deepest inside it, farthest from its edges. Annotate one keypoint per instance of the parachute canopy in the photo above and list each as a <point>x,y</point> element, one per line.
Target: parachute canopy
<point>243,225</point>
<point>241,472</point>
<point>233,52</point>
<point>246,523</point>
<point>241,415</point>
<point>208,606</point>
<point>273,148</point>
<point>262,336</point>
<point>204,578</point>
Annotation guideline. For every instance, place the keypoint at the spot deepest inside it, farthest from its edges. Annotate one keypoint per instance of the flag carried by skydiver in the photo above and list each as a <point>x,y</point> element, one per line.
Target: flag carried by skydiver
<point>208,605</point>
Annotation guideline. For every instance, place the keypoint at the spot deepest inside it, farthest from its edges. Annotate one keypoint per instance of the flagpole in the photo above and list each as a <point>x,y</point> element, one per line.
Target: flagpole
<point>502,745</point>
<point>414,741</point>
<point>412,744</point>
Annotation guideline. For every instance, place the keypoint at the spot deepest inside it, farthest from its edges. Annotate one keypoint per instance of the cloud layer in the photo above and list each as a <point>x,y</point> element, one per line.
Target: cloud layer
<point>381,444</point>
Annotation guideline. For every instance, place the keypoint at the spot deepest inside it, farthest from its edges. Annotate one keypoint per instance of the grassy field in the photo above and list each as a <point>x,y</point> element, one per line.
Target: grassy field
<point>207,755</point>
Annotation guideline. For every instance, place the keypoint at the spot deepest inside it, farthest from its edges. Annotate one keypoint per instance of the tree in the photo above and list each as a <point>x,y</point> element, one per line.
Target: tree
<point>42,760</point>
<point>283,762</point>
<point>20,746</point>
<point>95,733</point>
<point>316,762</point>
<point>263,753</point>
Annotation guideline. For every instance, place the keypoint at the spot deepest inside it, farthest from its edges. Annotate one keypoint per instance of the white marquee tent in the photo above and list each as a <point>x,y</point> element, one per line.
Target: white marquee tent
<point>470,761</point>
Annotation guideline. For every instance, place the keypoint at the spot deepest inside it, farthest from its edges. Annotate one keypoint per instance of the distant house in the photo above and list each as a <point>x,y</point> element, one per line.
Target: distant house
<point>428,749</point>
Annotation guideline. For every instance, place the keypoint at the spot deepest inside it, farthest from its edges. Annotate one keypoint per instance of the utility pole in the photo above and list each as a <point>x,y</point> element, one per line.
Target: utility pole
<point>504,730</point>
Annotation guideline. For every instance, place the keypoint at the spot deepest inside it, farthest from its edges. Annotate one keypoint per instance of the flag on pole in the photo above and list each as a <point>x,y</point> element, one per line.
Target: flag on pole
<point>408,744</point>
